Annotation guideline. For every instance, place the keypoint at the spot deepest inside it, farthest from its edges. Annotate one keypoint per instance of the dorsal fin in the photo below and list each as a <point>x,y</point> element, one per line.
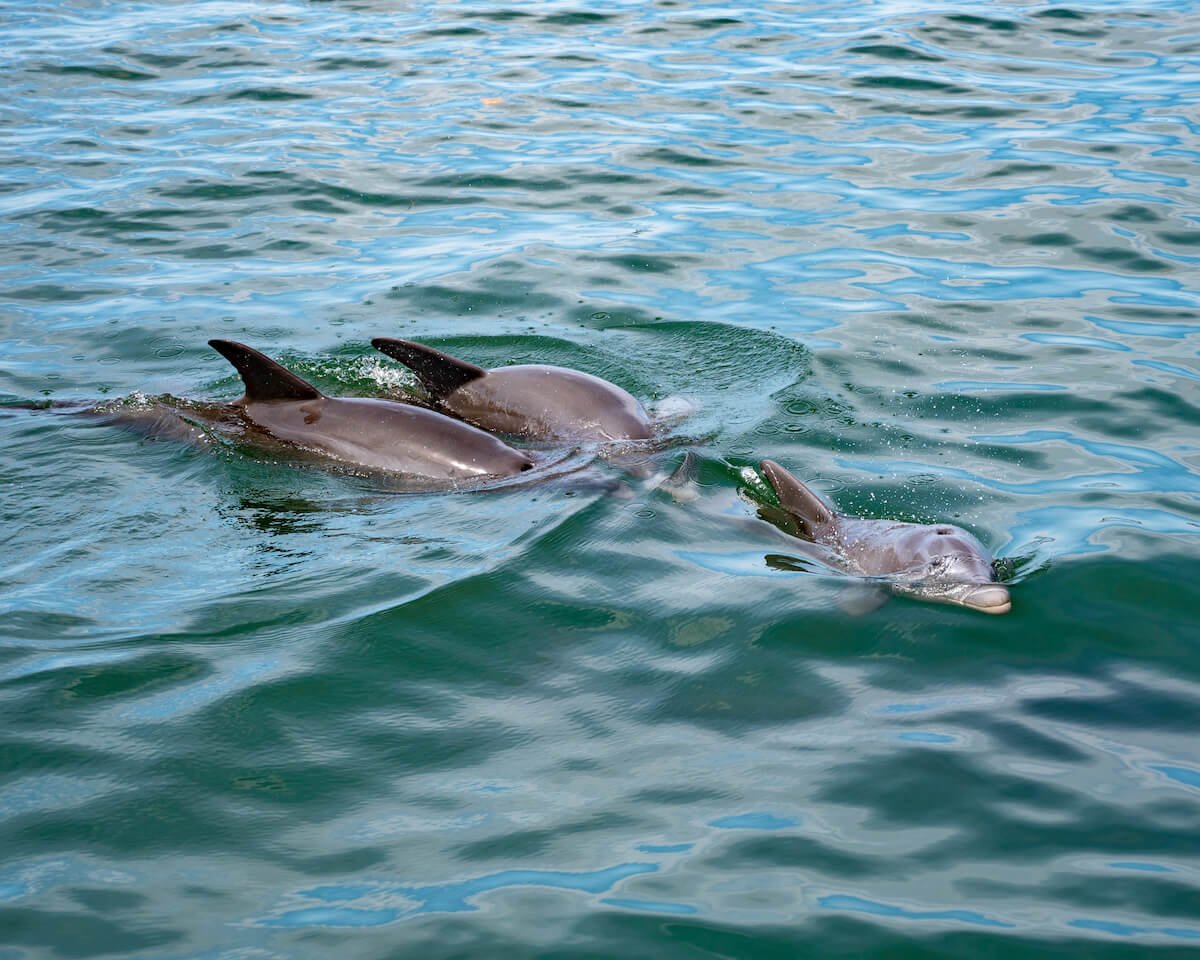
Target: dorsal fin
<point>440,374</point>
<point>800,502</point>
<point>265,380</point>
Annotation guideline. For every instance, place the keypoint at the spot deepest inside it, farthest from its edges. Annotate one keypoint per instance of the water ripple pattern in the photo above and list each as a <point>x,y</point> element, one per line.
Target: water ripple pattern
<point>941,261</point>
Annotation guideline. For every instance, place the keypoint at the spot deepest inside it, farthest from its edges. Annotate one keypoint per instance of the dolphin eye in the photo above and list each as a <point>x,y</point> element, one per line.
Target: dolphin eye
<point>944,531</point>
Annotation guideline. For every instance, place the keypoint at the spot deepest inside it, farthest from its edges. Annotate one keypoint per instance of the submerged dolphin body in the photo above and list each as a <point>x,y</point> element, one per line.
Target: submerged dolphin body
<point>377,434</point>
<point>534,401</point>
<point>937,562</point>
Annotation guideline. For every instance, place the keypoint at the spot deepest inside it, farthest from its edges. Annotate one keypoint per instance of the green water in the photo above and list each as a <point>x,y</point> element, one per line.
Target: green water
<point>939,261</point>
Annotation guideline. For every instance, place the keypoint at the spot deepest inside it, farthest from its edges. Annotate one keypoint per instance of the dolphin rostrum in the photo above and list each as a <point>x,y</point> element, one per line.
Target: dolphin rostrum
<point>937,561</point>
<point>534,401</point>
<point>378,434</point>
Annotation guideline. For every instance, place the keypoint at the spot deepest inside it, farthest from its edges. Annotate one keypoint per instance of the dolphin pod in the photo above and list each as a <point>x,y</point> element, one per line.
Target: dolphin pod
<point>377,434</point>
<point>934,562</point>
<point>937,562</point>
<point>532,401</point>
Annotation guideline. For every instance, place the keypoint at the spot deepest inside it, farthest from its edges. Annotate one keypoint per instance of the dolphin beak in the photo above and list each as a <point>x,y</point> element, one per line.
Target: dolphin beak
<point>988,598</point>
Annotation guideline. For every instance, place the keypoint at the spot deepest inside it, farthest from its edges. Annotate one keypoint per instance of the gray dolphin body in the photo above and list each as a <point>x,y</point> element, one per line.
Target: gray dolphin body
<point>377,434</point>
<point>534,401</point>
<point>938,562</point>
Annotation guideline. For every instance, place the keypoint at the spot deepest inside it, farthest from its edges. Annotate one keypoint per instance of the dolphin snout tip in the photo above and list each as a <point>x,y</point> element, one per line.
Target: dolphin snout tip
<point>990,598</point>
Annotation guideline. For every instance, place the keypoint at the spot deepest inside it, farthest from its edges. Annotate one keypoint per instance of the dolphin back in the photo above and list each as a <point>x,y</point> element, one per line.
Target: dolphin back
<point>440,374</point>
<point>266,381</point>
<point>542,402</point>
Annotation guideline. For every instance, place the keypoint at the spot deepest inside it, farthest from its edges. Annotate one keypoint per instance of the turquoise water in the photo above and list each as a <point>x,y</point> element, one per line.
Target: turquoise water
<point>939,260</point>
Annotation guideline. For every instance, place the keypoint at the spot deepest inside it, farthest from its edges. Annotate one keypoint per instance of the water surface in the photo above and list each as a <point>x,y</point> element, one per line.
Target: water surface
<point>940,261</point>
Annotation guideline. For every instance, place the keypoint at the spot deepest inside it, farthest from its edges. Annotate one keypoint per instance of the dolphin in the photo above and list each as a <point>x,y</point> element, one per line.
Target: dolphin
<point>533,401</point>
<point>377,434</point>
<point>937,561</point>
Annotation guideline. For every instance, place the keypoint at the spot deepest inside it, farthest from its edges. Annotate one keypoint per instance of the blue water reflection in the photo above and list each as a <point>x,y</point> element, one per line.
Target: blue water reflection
<point>1187,776</point>
<point>862,905</point>
<point>443,898</point>
<point>1145,328</point>
<point>754,821</point>
<point>1119,929</point>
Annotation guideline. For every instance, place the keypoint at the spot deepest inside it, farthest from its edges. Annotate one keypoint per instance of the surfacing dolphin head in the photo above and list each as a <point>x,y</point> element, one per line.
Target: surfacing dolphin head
<point>948,565</point>
<point>937,562</point>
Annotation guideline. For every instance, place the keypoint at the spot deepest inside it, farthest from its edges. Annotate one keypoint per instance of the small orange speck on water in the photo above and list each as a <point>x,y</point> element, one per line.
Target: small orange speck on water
<point>491,101</point>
